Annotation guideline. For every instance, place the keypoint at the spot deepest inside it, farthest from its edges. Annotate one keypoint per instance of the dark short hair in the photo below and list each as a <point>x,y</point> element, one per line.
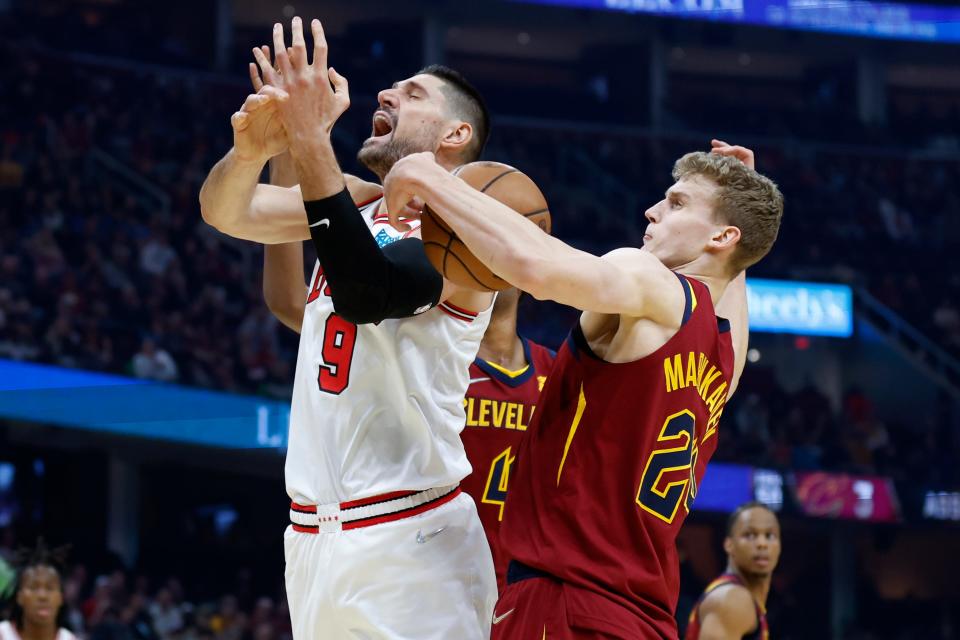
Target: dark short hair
<point>28,558</point>
<point>746,506</point>
<point>467,103</point>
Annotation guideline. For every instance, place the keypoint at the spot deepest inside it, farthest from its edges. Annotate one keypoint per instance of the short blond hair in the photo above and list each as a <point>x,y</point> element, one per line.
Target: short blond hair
<point>745,199</point>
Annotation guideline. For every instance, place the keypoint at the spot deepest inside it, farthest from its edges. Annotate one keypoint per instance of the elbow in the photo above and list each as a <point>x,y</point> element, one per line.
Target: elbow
<point>286,310</point>
<point>356,316</point>
<point>208,211</point>
<point>354,311</point>
<point>214,213</point>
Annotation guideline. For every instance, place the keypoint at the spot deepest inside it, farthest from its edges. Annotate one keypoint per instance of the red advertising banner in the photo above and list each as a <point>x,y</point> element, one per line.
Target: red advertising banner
<point>835,495</point>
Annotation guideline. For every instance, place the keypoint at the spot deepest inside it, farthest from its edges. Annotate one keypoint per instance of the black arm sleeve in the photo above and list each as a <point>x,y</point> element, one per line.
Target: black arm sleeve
<point>369,284</point>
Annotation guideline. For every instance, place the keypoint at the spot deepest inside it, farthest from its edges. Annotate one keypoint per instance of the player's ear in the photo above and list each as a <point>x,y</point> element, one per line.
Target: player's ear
<point>458,136</point>
<point>725,238</point>
<point>728,545</point>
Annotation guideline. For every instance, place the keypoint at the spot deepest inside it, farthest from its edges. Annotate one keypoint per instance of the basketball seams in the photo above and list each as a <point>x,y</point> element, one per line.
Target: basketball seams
<point>446,251</point>
<point>518,193</point>
<point>533,213</point>
<point>464,266</point>
<point>494,180</point>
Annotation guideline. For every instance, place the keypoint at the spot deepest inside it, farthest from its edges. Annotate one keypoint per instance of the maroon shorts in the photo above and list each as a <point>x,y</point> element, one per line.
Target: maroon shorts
<point>539,606</point>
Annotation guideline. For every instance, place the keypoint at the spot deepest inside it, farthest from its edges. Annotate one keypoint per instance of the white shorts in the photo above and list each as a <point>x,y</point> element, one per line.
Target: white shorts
<point>422,577</point>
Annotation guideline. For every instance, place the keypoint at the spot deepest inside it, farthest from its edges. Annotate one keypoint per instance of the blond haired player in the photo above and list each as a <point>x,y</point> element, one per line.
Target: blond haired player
<point>630,415</point>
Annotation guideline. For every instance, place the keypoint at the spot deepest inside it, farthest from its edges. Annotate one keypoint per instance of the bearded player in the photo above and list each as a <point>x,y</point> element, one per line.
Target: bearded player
<point>382,543</point>
<point>733,607</point>
<point>629,417</point>
<point>505,378</point>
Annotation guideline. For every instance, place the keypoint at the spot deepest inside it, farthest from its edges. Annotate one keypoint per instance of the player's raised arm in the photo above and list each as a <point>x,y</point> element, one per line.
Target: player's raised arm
<point>733,307</point>
<point>283,281</point>
<point>368,284</point>
<point>231,200</point>
<point>728,613</point>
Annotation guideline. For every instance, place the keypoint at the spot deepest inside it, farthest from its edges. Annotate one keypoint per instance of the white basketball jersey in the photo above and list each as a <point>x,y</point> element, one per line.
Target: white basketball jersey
<point>8,632</point>
<point>378,408</point>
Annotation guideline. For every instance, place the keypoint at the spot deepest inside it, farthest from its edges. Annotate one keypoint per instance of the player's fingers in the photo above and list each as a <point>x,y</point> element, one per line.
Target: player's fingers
<point>298,50</point>
<point>416,206</point>
<point>319,44</point>
<point>262,56</point>
<point>341,88</point>
<point>239,120</point>
<point>253,102</point>
<point>273,93</point>
<point>395,205</point>
<point>732,150</point>
<point>280,49</point>
<point>255,76</point>
<point>718,143</point>
<point>398,224</point>
<point>413,210</point>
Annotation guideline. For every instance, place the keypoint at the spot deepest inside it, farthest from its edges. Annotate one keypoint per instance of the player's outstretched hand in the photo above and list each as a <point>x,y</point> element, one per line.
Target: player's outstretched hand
<point>742,154</point>
<point>258,133</point>
<point>310,96</point>
<point>401,187</point>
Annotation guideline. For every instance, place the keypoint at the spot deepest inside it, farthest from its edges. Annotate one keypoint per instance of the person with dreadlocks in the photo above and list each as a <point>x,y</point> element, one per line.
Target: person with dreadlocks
<point>38,611</point>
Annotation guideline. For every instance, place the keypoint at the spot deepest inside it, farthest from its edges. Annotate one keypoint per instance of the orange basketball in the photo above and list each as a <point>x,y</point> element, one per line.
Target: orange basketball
<point>447,252</point>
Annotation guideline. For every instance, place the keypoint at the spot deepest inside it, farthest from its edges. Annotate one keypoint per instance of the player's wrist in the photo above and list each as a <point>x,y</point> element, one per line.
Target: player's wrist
<point>427,178</point>
<point>247,158</point>
<point>310,143</point>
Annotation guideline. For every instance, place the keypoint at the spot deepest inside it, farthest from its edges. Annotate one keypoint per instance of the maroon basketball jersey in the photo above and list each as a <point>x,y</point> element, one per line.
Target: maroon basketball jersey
<point>499,406</point>
<point>610,466</point>
<point>693,625</point>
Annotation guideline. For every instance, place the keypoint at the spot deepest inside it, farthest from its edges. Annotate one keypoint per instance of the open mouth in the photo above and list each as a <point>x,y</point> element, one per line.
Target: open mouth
<point>382,125</point>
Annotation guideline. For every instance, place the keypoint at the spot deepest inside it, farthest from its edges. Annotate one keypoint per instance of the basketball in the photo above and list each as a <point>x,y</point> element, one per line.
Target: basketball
<point>449,255</point>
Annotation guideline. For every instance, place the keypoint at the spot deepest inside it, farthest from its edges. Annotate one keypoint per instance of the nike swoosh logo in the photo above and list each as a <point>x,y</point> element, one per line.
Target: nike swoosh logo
<point>472,380</point>
<point>421,539</point>
<point>498,619</point>
<point>325,222</point>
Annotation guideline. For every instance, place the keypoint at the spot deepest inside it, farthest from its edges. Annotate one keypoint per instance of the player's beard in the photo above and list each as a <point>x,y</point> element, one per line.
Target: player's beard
<point>380,158</point>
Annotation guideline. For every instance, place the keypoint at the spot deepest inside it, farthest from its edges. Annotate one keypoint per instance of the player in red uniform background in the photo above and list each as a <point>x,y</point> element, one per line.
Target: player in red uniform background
<point>733,607</point>
<point>629,417</point>
<point>505,382</point>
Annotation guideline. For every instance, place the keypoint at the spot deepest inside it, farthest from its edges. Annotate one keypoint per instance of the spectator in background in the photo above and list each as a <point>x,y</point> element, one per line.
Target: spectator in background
<point>229,622</point>
<point>95,607</point>
<point>157,255</point>
<point>72,588</point>
<point>166,614</point>
<point>153,363</point>
<point>752,421</point>
<point>136,617</point>
<point>38,608</point>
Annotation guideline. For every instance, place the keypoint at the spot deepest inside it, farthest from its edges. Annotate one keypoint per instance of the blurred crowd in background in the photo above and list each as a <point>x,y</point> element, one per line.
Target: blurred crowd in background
<point>121,605</point>
<point>106,265</point>
<point>100,273</point>
<point>103,600</point>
